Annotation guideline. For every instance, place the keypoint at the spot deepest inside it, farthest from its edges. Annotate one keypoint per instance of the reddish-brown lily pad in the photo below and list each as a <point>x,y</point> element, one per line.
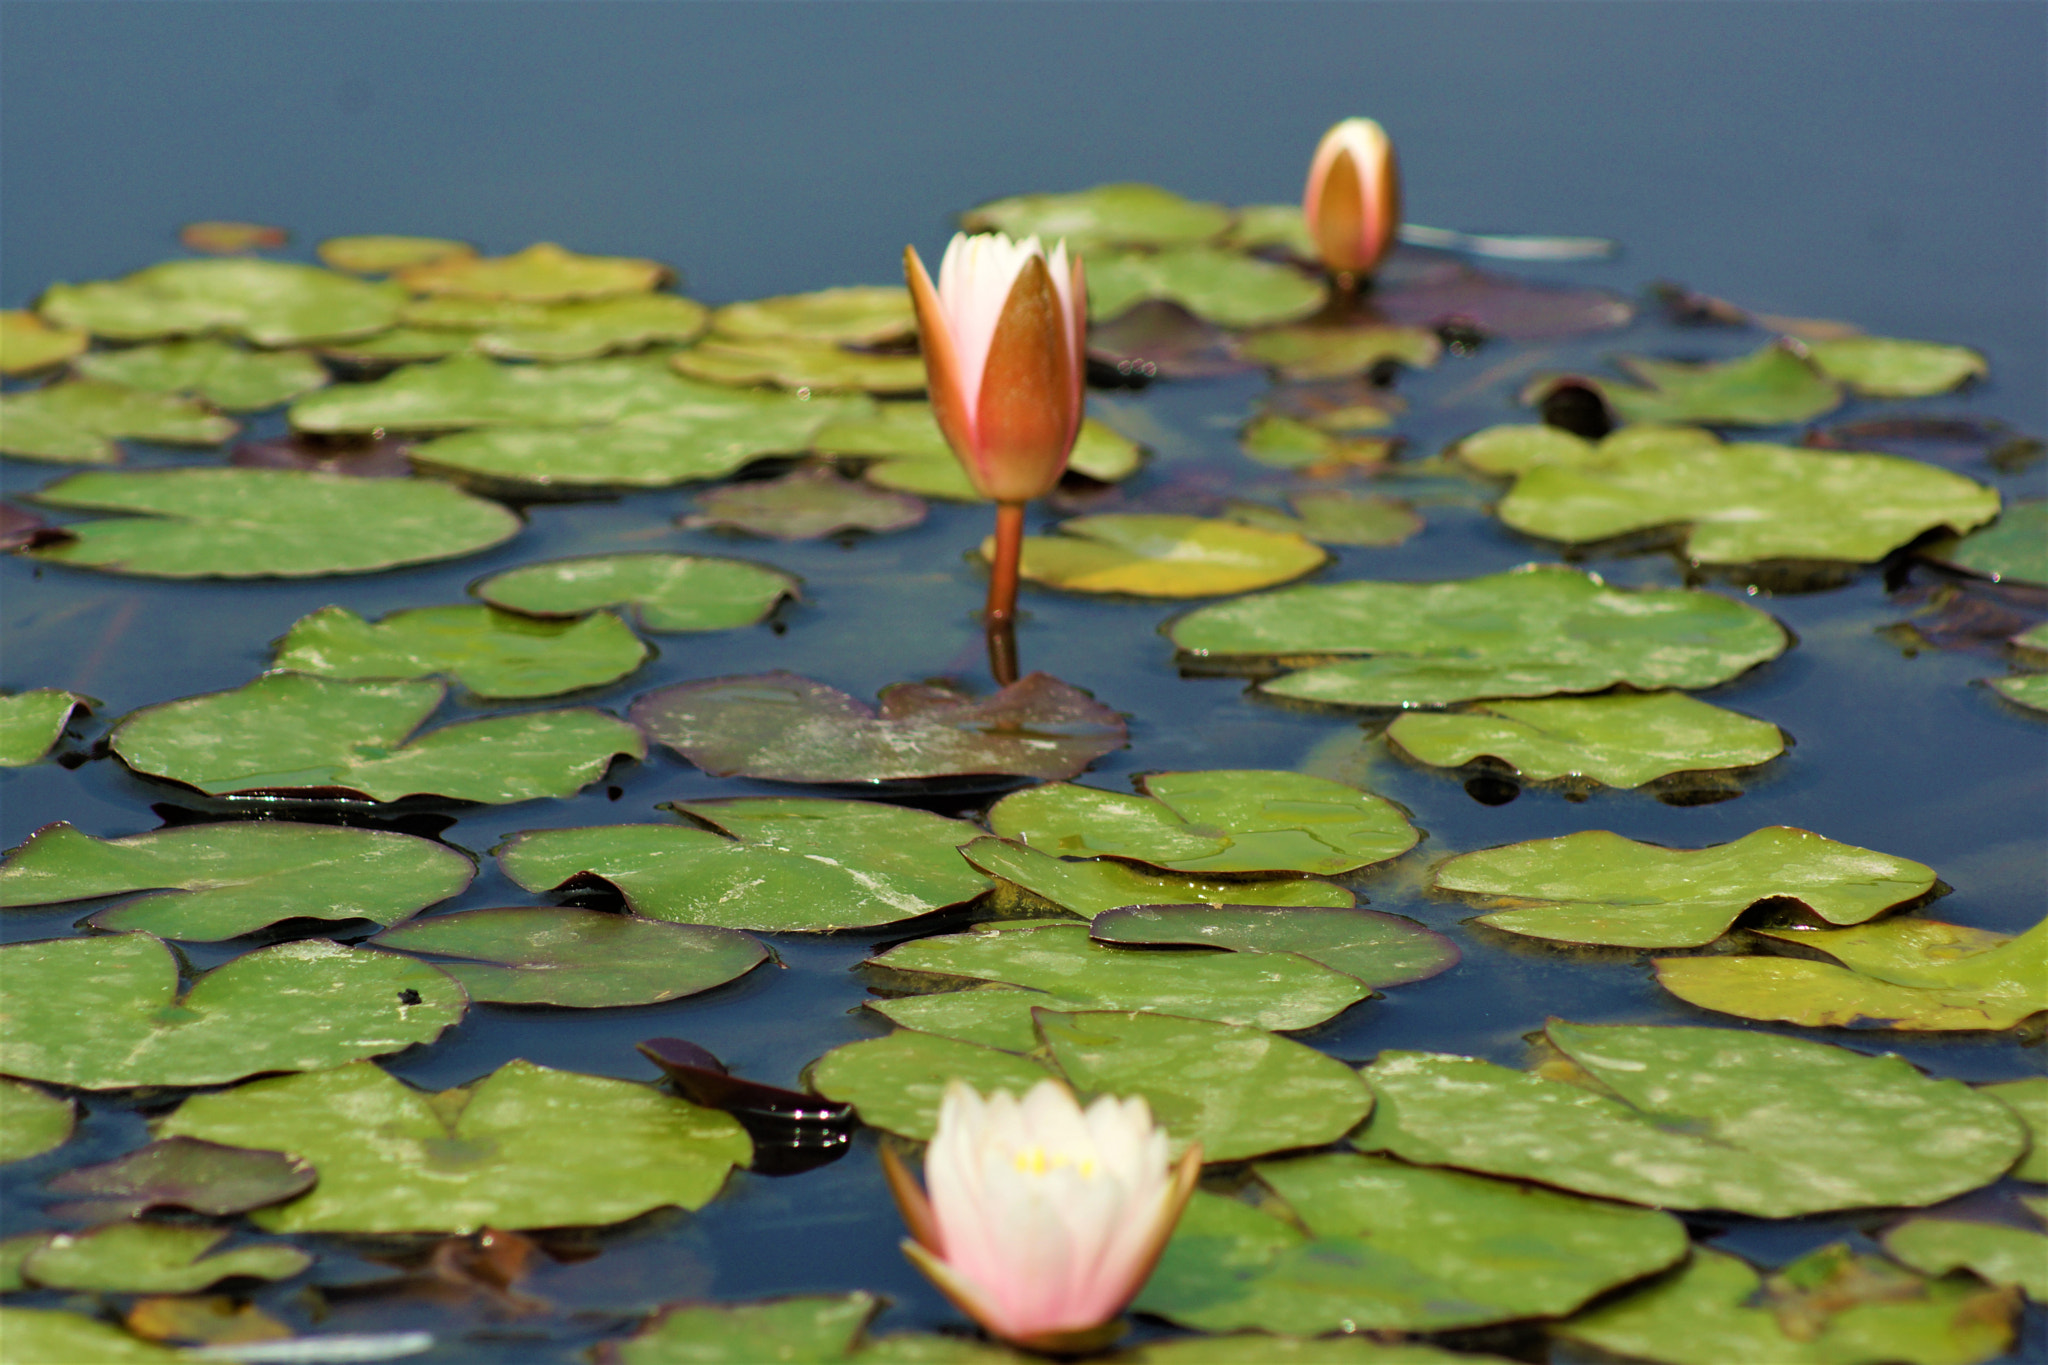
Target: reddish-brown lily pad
<point>1497,306</point>
<point>231,239</point>
<point>807,504</point>
<point>785,728</point>
<point>19,527</point>
<point>382,458</point>
<point>1159,339</point>
<point>1950,441</point>
<point>181,1172</point>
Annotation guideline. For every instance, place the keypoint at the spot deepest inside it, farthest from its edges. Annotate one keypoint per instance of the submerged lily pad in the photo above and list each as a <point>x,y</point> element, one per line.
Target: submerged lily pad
<point>28,344</point>
<point>1992,1252</point>
<point>1287,443</point>
<point>32,722</point>
<point>666,592</point>
<point>2015,547</point>
<point>808,503</point>
<point>1089,887</point>
<point>221,880</point>
<point>1623,739</point>
<point>382,253</point>
<point>32,1121</point>
<point>513,1150</point>
<point>153,1258</point>
<point>542,273</point>
<point>861,314</point>
<point>267,523</point>
<point>1699,1118</point>
<point>1379,949</point>
<point>816,1327</point>
<point>1398,1248</point>
<point>493,653</point>
<point>788,864</point>
<point>271,303</point>
<point>293,1007</point>
<point>1154,555</point>
<point>292,732</point>
<point>1529,632</point>
<point>186,1173</point>
<point>784,728</point>
<point>76,422</point>
<point>1335,516</point>
<point>1886,367</point>
<point>575,329</point>
<point>1766,388</point>
<point>588,959</point>
<point>1310,352</point>
<point>799,363</point>
<point>910,453</point>
<point>35,1335</point>
<point>1223,286</point>
<point>1598,887</point>
<point>1234,820</point>
<point>1458,296</point>
<point>225,376</point>
<point>1107,215</point>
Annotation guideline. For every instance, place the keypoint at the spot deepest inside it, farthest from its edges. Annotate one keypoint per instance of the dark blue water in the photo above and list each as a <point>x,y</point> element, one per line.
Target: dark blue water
<point>1883,164</point>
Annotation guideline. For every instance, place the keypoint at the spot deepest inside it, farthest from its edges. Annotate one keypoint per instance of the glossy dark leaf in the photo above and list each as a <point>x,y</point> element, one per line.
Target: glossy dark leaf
<point>181,1172</point>
<point>1498,306</point>
<point>379,458</point>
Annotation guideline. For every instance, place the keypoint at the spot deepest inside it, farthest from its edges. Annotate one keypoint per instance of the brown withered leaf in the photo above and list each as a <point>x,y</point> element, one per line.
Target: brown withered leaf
<point>222,238</point>
<point>382,458</point>
<point>202,1319</point>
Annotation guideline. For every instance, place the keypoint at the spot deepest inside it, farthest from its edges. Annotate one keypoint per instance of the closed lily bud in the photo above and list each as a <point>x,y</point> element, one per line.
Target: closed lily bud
<point>1043,1220</point>
<point>1004,335</point>
<point>1353,199</point>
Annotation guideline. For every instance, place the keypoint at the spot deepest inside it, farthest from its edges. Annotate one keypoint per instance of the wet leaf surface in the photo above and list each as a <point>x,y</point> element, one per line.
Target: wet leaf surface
<point>1091,886</point>
<point>1107,215</point>
<point>32,722</point>
<point>294,1007</point>
<point>542,273</point>
<point>226,376</point>
<point>1498,305</point>
<point>2015,547</point>
<point>490,652</point>
<point>1158,555</point>
<point>1766,388</point>
<point>215,881</point>
<point>1622,739</point>
<point>1379,949</point>
<point>665,592</point>
<point>1288,443</point>
<point>908,452</point>
<point>574,329</point>
<point>587,959</point>
<point>513,1150</point>
<point>1995,1253</point>
<point>808,503</point>
<point>76,422</point>
<point>800,364</point>
<point>789,864</point>
<point>270,303</point>
<point>382,253</point>
<point>793,1131</point>
<point>1221,286</point>
<point>1513,449</point>
<point>816,1327</point>
<point>1232,820</point>
<point>178,1172</point>
<point>861,314</point>
<point>32,1121</point>
<point>154,1258</point>
<point>1699,1118</point>
<point>783,728</point>
<point>1323,352</point>
<point>28,344</point>
<point>1336,516</point>
<point>1886,367</point>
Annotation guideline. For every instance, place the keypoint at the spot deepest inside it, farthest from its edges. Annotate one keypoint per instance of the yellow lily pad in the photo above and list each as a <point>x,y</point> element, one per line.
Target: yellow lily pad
<point>543,273</point>
<point>1150,555</point>
<point>27,343</point>
<point>382,253</point>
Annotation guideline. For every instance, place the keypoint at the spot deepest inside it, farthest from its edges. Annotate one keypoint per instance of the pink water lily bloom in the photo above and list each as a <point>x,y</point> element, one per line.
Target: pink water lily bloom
<point>1043,1219</point>
<point>1353,199</point>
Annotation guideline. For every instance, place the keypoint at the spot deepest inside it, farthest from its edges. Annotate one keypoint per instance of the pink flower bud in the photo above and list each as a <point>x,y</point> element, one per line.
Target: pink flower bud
<point>1353,200</point>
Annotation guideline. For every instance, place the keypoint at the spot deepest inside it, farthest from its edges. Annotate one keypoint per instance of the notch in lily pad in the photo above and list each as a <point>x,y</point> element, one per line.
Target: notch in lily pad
<point>665,592</point>
<point>792,1130</point>
<point>1379,949</point>
<point>32,722</point>
<point>492,653</point>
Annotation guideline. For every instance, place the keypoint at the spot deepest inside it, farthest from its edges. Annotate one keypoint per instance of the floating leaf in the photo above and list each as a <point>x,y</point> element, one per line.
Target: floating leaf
<point>513,1150</point>
<point>33,1336</point>
<point>1310,352</point>
<point>28,344</point>
<point>1286,443</point>
<point>787,864</point>
<point>896,1082</point>
<point>1379,949</point>
<point>1222,286</point>
<point>799,363</point>
<point>1158,339</point>
<point>218,238</point>
<point>1398,1248</point>
<point>21,528</point>
<point>493,653</point>
<point>808,503</point>
<point>292,732</point>
<point>2028,1099</point>
<point>1766,388</point>
<point>994,1016</point>
<point>588,959</point>
<point>543,273</point>
<point>32,722</point>
<point>1530,632</point>
<point>1278,226</point>
<point>1699,1118</point>
<point>1088,888</point>
<point>1107,215</point>
<point>31,1121</point>
<point>76,422</point>
<point>2027,689</point>
<point>911,454</point>
<point>474,391</point>
<point>1623,739</point>
<point>1517,449</point>
<point>225,376</point>
<point>211,1320</point>
<point>1243,1348</point>
<point>1336,516</point>
<point>1993,1253</point>
<point>402,346</point>
<point>271,303</point>
<point>576,329</point>
<point>1702,1315</point>
<point>666,592</point>
<point>815,1327</point>
<point>1497,305</point>
<point>1233,820</point>
<point>292,1007</point>
<point>860,314</point>
<point>1950,440</point>
<point>382,253</point>
<point>784,728</point>
<point>383,458</point>
<point>1152,555</point>
<point>267,523</point>
<point>154,1258</point>
<point>215,881</point>
<point>2013,547</point>
<point>1598,887</point>
<point>180,1173</point>
<point>1885,367</point>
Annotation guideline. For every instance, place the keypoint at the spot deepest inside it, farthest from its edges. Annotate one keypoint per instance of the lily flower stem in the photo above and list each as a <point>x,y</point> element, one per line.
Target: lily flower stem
<point>1001,617</point>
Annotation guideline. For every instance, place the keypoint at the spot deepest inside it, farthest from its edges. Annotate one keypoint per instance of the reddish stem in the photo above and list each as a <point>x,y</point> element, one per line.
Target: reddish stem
<point>1002,578</point>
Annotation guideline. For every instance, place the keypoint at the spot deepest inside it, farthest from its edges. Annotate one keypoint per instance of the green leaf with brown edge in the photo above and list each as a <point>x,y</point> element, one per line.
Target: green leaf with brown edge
<point>1287,443</point>
<point>216,881</point>
<point>799,1329</point>
<point>226,376</point>
<point>665,592</point>
<point>1089,887</point>
<point>1379,949</point>
<point>1769,387</point>
<point>1106,215</point>
<point>808,503</point>
<point>858,314</point>
<point>1159,555</point>
<point>1335,516</point>
<point>584,959</point>
<point>800,364</point>
<point>179,1172</point>
<point>28,344</point>
<point>1307,352</point>
<point>34,1335</point>
<point>2029,1099</point>
<point>1622,739</point>
<point>382,253</point>
<point>270,303</point>
<point>1993,1252</point>
<point>76,422</point>
<point>1599,887</point>
<point>32,1121</point>
<point>32,722</point>
<point>574,329</point>
<point>490,652</point>
<point>154,1258</point>
<point>1887,367</point>
<point>1699,1118</point>
<point>896,1082</point>
<point>542,273</point>
<point>1225,287</point>
<point>909,452</point>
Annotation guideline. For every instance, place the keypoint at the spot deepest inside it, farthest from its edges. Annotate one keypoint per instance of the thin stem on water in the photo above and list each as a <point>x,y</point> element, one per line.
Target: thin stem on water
<point>1000,620</point>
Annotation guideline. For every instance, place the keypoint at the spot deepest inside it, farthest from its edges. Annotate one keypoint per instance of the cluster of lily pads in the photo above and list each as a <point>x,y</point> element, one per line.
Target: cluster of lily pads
<point>1163,942</point>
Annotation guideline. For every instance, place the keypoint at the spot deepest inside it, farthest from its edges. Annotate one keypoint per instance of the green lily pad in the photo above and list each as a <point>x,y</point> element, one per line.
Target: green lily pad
<point>575,329</point>
<point>1992,1252</point>
<point>1766,388</point>
<point>1748,502</point>
<point>382,253</point>
<point>1335,516</point>
<point>154,1258</point>
<point>1286,443</point>
<point>1622,739</point>
<point>1516,449</point>
<point>1088,888</point>
<point>1308,352</point>
<point>32,722</point>
<point>2026,689</point>
<point>779,727</point>
<point>402,346</point>
<point>293,1007</point>
<point>665,592</point>
<point>1699,1118</point>
<point>513,1150</point>
<point>1879,1315</point>
<point>1225,287</point>
<point>493,653</point>
<point>1261,1349</point>
<point>267,523</point>
<point>1379,949</point>
<point>475,391</point>
<point>808,503</point>
<point>1530,632</point>
<point>76,422</point>
<point>542,273</point>
<point>221,880</point>
<point>223,375</point>
<point>204,1177</point>
<point>587,959</point>
<point>1157,555</point>
<point>1398,1248</point>
<point>909,453</point>
<point>292,732</point>
<point>1598,887</point>
<point>270,303</point>
<point>896,1082</point>
<point>994,1016</point>
<point>2028,1099</point>
<point>28,344</point>
<point>1269,990</point>
<point>1243,820</point>
<point>799,363</point>
<point>860,314</point>
<point>809,1328</point>
<point>38,1336</point>
<point>2013,547</point>
<point>787,864</point>
<point>31,1121</point>
<point>1886,367</point>
<point>1107,215</point>
<point>1272,225</point>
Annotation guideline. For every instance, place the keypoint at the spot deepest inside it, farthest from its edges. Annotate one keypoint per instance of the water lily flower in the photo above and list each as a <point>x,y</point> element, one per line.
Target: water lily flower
<point>1353,200</point>
<point>1043,1219</point>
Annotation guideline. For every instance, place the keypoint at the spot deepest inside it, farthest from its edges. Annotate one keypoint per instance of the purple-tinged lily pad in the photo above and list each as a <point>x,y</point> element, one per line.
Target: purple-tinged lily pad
<point>1159,339</point>
<point>221,238</point>
<point>1498,306</point>
<point>378,458</point>
<point>792,1130</point>
<point>785,728</point>
<point>1935,440</point>
<point>806,504</point>
<point>181,1172</point>
<point>1377,948</point>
